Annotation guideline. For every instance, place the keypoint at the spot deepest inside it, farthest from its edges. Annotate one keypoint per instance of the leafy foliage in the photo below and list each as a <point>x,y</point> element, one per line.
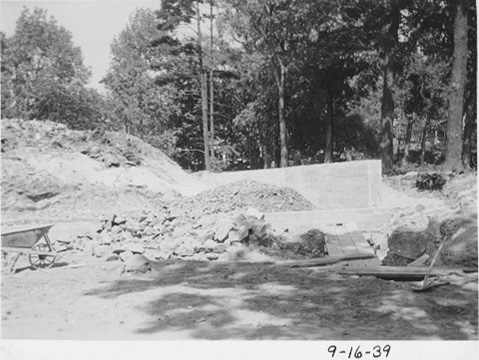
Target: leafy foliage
<point>298,77</point>
<point>43,76</point>
<point>135,102</point>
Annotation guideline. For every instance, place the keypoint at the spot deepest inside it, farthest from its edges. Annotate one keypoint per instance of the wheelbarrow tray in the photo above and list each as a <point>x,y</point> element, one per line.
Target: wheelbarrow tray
<point>26,240</point>
<point>24,237</point>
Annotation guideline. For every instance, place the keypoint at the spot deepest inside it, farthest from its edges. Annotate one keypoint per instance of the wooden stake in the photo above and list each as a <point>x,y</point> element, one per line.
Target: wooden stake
<point>426,277</point>
<point>326,260</point>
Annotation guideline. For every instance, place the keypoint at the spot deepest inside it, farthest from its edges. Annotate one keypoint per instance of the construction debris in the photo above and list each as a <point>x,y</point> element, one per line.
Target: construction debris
<point>330,260</point>
<point>173,233</point>
<point>397,273</point>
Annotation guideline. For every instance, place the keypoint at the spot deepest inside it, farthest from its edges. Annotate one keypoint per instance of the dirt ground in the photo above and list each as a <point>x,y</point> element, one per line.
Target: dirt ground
<point>194,300</point>
<point>183,300</point>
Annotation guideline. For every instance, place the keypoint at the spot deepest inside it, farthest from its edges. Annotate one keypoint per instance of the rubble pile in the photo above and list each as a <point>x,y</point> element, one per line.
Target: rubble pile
<point>218,224</point>
<point>430,181</point>
<point>111,148</point>
<point>50,171</point>
<point>162,236</point>
<point>244,194</point>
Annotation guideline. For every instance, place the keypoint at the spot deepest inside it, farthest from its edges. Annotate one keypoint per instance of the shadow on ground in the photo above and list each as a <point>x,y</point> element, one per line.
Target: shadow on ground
<point>258,301</point>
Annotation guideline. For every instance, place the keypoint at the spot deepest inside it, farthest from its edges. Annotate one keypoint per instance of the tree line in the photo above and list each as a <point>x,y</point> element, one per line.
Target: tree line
<point>230,84</point>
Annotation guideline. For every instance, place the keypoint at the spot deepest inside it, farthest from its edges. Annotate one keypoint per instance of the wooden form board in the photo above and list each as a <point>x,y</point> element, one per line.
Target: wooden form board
<point>345,239</point>
<point>397,272</point>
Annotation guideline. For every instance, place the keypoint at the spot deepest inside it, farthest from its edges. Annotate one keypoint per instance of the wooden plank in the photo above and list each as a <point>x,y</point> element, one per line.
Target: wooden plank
<point>419,261</point>
<point>362,246</point>
<point>332,242</point>
<point>359,240</point>
<point>396,272</point>
<point>431,285</point>
<point>329,260</point>
<point>345,241</point>
<point>341,244</point>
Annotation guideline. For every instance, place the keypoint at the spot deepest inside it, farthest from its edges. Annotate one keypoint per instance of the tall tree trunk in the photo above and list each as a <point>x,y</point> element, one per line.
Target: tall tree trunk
<point>278,71</point>
<point>387,118</point>
<point>264,151</point>
<point>212,109</point>
<point>456,97</point>
<point>386,148</point>
<point>204,92</point>
<point>423,140</point>
<point>212,118</point>
<point>204,108</point>
<point>407,139</point>
<point>328,153</point>
<point>470,124</point>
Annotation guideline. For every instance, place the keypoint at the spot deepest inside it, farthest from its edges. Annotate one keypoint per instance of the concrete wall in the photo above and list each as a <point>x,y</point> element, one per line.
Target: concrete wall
<point>346,185</point>
<point>296,222</point>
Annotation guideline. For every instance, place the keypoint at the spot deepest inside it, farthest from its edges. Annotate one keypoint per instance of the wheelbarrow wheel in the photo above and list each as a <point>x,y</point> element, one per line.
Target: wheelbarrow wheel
<point>41,261</point>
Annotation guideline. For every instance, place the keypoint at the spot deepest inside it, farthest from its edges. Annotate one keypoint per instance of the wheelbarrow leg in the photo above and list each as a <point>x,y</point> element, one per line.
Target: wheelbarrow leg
<point>12,268</point>
<point>47,240</point>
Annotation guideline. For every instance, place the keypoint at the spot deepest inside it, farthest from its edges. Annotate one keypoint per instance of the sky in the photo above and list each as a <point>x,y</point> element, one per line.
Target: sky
<point>93,25</point>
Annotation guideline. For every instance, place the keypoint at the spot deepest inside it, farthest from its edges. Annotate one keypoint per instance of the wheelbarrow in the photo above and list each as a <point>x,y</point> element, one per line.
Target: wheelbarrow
<point>33,241</point>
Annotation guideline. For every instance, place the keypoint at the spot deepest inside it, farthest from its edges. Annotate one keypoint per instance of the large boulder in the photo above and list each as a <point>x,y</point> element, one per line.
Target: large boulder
<point>407,243</point>
<point>162,255</point>
<point>222,228</point>
<point>460,248</point>
<point>208,246</point>
<point>312,244</point>
<point>169,245</point>
<point>239,234</point>
<point>135,248</point>
<point>185,249</point>
<point>137,263</point>
<point>110,160</point>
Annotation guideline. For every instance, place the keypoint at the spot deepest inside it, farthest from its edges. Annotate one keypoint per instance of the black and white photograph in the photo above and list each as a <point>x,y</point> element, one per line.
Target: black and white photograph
<point>240,170</point>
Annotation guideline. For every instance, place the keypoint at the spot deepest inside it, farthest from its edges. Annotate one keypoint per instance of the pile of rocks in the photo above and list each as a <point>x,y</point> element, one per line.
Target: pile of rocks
<point>168,236</point>
<point>110,148</point>
<point>214,225</point>
<point>430,181</point>
<point>243,194</point>
<point>417,247</point>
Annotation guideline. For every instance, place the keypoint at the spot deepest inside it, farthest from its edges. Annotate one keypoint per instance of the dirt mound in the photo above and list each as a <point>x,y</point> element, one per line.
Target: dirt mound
<point>48,167</point>
<point>461,191</point>
<point>244,194</point>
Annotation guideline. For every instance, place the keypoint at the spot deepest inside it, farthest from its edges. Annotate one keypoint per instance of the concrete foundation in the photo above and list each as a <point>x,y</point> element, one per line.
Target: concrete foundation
<point>296,222</point>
